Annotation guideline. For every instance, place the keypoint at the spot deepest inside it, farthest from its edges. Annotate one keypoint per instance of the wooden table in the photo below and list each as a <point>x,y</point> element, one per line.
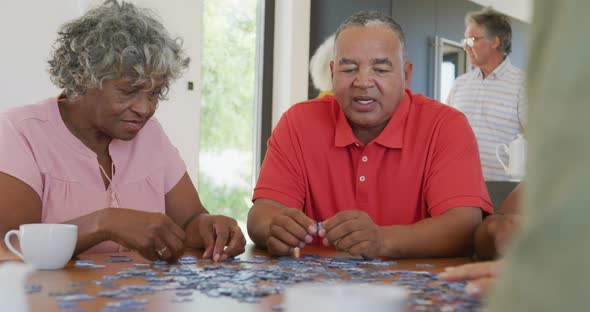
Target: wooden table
<point>57,280</point>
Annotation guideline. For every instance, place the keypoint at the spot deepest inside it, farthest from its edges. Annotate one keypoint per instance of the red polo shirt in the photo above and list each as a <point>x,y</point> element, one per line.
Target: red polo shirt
<point>425,162</point>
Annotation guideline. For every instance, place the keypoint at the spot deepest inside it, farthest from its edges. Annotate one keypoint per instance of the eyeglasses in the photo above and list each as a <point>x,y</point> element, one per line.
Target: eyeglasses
<point>470,41</point>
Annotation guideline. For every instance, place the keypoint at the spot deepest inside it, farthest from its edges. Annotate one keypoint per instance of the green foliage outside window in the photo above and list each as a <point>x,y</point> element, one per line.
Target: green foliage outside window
<point>227,112</point>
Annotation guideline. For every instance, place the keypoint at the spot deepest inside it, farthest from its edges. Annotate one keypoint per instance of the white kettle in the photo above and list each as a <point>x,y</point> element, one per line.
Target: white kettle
<point>516,158</point>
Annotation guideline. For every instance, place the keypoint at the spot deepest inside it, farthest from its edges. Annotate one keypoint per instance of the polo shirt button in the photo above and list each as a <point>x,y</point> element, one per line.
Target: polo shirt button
<point>356,144</point>
<point>365,158</point>
<point>362,178</point>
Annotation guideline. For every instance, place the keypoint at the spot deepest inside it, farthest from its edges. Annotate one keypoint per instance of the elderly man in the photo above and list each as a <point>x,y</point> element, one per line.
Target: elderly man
<point>388,172</point>
<point>492,96</point>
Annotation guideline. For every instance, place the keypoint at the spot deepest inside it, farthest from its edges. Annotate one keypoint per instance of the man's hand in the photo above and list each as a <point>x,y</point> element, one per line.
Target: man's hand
<point>154,235</point>
<point>480,276</point>
<point>355,232</point>
<point>221,236</point>
<point>289,229</point>
<point>503,228</point>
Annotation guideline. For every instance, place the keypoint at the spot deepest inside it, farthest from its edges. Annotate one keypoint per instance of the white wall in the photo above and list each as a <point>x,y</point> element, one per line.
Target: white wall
<point>27,35</point>
<point>291,55</point>
<point>29,29</point>
<point>520,9</point>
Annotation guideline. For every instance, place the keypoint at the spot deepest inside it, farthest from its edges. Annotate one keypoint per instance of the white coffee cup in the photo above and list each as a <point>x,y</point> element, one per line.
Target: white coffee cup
<point>345,297</point>
<point>46,246</point>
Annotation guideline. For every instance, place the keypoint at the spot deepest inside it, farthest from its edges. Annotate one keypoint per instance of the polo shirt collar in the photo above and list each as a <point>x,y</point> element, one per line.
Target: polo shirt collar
<point>392,135</point>
<point>499,71</point>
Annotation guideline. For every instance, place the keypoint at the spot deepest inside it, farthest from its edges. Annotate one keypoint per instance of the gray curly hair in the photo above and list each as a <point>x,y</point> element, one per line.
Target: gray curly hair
<point>112,41</point>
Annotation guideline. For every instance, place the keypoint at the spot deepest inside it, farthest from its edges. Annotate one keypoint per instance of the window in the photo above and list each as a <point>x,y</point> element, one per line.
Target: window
<point>450,62</point>
<point>227,153</point>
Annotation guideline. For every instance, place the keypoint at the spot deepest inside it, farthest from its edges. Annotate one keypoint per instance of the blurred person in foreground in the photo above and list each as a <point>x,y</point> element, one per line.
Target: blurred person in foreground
<point>543,269</point>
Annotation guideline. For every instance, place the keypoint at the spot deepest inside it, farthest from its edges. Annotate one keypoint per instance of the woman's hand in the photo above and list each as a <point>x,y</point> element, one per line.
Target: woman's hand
<point>480,276</point>
<point>154,235</point>
<point>220,236</point>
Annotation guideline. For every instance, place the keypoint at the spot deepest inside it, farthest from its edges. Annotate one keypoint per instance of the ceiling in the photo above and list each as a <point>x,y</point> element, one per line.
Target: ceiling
<point>520,9</point>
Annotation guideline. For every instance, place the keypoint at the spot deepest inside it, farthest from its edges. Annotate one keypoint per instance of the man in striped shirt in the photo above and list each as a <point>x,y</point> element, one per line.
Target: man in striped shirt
<point>492,96</point>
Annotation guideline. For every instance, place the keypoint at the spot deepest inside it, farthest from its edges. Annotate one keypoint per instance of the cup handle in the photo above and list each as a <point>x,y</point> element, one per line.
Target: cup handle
<point>498,155</point>
<point>9,246</point>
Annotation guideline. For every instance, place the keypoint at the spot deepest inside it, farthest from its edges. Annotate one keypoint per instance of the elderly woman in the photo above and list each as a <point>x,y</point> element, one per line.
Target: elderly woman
<point>94,156</point>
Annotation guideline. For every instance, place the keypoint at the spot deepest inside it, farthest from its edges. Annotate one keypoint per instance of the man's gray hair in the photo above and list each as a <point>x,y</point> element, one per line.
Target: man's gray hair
<point>112,41</point>
<point>494,24</point>
<point>373,18</point>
